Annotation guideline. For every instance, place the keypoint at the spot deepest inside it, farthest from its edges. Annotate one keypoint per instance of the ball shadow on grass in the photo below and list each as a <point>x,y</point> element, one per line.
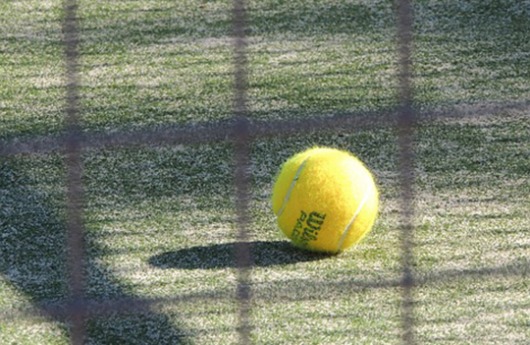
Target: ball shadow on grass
<point>216,256</point>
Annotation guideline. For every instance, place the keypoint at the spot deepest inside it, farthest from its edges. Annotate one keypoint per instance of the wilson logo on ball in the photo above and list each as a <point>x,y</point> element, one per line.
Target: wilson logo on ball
<point>307,227</point>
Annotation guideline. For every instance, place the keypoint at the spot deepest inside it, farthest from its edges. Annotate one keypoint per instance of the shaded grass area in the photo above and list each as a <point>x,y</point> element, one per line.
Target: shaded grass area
<point>34,270</point>
<point>160,221</point>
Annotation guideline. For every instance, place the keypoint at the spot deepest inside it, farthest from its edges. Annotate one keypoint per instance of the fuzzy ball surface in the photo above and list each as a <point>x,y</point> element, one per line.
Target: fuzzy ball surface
<point>325,199</point>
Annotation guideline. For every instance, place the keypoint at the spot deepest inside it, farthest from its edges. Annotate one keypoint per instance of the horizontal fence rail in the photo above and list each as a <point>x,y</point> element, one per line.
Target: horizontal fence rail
<point>222,131</point>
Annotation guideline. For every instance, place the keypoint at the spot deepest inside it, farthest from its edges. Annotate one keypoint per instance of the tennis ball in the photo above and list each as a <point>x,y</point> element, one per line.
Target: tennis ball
<point>325,199</point>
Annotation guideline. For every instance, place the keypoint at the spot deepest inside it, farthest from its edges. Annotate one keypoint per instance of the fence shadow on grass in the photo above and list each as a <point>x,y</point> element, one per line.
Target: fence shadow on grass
<point>33,261</point>
<point>216,256</point>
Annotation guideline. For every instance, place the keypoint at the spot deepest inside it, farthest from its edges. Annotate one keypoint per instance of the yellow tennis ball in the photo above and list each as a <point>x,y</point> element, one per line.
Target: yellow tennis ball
<point>325,199</point>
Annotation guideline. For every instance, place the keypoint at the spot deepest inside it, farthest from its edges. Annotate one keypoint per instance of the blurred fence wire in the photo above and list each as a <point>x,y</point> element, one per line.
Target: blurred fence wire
<point>241,132</point>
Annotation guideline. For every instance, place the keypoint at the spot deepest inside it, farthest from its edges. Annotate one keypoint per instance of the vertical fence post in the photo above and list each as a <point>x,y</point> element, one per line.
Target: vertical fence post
<point>406,123</point>
<point>242,179</point>
<point>75,231</point>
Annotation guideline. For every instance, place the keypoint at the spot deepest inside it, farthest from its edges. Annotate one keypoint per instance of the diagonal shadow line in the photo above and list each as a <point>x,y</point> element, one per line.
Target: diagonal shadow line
<point>517,268</point>
<point>117,304</point>
<point>33,257</point>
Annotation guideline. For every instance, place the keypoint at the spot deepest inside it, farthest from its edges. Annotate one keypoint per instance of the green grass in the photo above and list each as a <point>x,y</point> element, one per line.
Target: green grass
<point>161,221</point>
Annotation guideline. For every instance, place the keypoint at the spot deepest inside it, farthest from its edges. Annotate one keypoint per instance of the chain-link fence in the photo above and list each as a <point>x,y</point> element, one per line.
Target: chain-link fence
<point>242,132</point>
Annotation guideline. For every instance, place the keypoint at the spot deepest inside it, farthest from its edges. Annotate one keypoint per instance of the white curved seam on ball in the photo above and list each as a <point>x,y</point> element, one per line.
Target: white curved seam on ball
<point>291,187</point>
<point>352,221</point>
